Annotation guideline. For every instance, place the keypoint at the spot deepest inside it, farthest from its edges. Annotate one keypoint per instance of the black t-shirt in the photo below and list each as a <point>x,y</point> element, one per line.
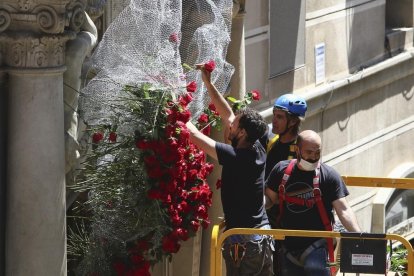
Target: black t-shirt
<point>279,152</point>
<point>300,217</point>
<point>242,185</point>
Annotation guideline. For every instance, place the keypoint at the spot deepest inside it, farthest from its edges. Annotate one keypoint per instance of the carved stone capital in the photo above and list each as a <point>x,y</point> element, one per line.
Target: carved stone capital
<point>42,16</point>
<point>33,33</point>
<point>31,51</point>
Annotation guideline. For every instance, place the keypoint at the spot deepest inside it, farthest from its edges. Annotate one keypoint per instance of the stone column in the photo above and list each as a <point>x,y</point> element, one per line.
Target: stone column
<point>3,112</point>
<point>33,39</point>
<point>236,51</point>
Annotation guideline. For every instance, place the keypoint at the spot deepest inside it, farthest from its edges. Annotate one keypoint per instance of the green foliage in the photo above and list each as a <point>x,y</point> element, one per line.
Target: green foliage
<point>115,179</point>
<point>399,261</point>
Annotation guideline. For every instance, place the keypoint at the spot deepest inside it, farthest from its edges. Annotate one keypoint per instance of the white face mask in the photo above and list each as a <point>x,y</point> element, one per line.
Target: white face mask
<point>308,166</point>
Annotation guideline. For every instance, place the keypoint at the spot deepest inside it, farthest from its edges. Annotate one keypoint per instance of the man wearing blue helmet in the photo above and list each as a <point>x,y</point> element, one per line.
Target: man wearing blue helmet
<point>288,113</point>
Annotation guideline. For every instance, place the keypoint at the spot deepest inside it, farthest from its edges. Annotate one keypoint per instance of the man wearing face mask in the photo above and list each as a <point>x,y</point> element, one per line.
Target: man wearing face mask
<point>242,186</point>
<point>288,113</point>
<point>307,191</point>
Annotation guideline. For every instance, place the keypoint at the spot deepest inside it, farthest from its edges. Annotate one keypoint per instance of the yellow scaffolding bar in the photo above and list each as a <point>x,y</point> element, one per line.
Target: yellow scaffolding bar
<point>280,234</point>
<point>380,182</point>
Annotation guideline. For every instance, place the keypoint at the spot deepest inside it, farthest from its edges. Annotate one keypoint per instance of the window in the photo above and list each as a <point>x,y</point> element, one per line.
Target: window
<point>287,36</point>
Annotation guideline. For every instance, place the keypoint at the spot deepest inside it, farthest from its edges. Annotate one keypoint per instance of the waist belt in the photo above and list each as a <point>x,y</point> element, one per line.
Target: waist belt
<point>246,238</point>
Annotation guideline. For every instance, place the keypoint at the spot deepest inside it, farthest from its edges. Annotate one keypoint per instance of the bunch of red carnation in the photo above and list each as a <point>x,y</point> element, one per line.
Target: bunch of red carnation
<point>176,173</point>
<point>177,177</point>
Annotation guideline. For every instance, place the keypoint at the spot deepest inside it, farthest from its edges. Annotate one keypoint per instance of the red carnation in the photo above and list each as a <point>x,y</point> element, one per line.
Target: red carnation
<point>142,270</point>
<point>112,137</point>
<point>154,194</point>
<point>184,116</point>
<point>212,107</point>
<point>201,212</point>
<point>176,220</point>
<point>184,206</point>
<point>194,225</point>
<point>119,268</point>
<point>204,193</point>
<point>218,184</point>
<point>192,174</point>
<point>97,137</point>
<point>142,144</point>
<point>255,95</point>
<point>192,86</point>
<point>143,245</point>
<point>151,160</point>
<point>205,223</point>
<point>210,66</point>
<point>206,130</point>
<point>170,245</point>
<point>180,233</point>
<point>184,134</point>
<point>155,172</point>
<point>183,195</point>
<point>136,259</point>
<point>203,118</point>
<point>185,100</point>
<point>171,116</point>
<point>174,38</point>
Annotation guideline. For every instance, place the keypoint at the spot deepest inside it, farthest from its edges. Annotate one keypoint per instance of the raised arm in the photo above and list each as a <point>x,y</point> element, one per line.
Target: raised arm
<point>202,141</point>
<point>346,215</point>
<point>223,107</point>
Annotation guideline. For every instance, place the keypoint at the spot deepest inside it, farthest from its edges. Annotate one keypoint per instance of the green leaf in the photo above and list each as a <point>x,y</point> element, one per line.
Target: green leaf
<point>187,67</point>
<point>231,99</point>
<point>236,106</point>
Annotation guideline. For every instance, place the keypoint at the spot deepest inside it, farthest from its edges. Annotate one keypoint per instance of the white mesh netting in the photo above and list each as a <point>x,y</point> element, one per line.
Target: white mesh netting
<point>148,42</point>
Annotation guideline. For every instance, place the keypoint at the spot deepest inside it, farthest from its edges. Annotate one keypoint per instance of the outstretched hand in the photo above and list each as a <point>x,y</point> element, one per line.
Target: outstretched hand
<point>206,75</point>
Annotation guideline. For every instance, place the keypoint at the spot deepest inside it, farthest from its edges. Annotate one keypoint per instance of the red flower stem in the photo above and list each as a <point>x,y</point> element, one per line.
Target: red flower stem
<point>209,123</point>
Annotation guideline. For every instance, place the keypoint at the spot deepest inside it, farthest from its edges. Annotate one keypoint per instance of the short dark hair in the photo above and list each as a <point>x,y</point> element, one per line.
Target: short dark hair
<point>252,122</point>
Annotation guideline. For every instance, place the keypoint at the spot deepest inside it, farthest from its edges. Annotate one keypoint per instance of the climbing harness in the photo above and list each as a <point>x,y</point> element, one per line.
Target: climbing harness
<point>315,199</point>
<point>237,252</point>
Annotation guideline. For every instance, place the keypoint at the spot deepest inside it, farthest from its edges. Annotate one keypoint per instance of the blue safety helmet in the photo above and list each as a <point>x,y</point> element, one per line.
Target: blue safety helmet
<point>291,103</point>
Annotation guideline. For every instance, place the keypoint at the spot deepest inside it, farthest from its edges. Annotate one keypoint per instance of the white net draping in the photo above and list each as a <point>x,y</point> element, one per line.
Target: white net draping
<point>148,42</point>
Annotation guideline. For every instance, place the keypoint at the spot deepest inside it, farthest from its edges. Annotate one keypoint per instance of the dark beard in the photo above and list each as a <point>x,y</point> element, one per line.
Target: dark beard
<point>234,142</point>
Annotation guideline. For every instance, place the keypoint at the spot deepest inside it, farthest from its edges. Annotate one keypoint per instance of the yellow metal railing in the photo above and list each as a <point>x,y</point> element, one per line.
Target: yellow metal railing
<point>218,237</point>
<point>380,182</point>
<point>217,240</point>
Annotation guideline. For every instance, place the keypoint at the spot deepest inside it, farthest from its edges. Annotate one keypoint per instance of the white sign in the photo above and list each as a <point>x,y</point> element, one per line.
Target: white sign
<point>363,259</point>
<point>319,63</point>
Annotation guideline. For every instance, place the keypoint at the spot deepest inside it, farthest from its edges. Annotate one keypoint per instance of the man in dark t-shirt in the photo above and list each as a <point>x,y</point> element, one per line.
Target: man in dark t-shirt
<point>242,186</point>
<point>299,217</point>
<point>308,256</point>
<point>289,111</point>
